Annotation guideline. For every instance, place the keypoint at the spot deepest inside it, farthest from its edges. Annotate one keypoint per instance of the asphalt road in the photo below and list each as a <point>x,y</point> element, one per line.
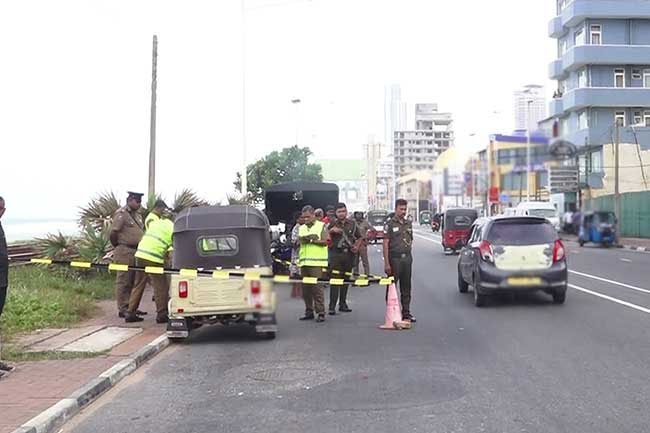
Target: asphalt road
<point>521,364</point>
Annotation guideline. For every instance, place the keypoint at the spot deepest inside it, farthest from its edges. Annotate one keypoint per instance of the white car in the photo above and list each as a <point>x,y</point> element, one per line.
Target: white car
<point>542,209</point>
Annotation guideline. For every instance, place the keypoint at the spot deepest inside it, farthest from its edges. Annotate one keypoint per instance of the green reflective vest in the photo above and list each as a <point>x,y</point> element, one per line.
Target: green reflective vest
<point>156,242</point>
<point>150,218</point>
<point>310,254</point>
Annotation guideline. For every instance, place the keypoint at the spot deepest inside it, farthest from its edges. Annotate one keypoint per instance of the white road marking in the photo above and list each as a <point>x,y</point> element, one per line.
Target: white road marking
<point>435,241</point>
<point>575,252</point>
<point>626,260</point>
<point>605,280</point>
<point>609,298</point>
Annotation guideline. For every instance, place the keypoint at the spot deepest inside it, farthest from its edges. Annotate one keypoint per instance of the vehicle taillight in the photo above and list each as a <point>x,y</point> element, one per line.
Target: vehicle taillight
<point>256,294</point>
<point>486,251</point>
<point>182,289</point>
<point>558,251</point>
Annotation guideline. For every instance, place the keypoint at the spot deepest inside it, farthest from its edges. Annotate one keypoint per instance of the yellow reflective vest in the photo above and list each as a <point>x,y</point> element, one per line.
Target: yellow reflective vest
<point>311,254</point>
<point>156,242</point>
<point>150,218</point>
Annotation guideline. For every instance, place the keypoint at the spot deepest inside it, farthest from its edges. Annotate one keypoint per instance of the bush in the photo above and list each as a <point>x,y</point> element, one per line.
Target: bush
<point>41,297</point>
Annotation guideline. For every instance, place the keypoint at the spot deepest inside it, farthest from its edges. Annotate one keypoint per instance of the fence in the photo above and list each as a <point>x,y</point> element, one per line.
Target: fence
<point>635,209</point>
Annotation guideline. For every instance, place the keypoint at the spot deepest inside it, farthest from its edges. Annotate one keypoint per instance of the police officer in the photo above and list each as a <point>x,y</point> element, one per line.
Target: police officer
<point>312,258</point>
<point>346,239</point>
<point>126,232</point>
<point>153,250</point>
<point>398,261</point>
<point>362,255</point>
<point>156,213</point>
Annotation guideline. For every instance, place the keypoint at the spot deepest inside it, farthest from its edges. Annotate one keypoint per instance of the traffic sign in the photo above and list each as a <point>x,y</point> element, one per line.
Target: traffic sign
<point>563,179</point>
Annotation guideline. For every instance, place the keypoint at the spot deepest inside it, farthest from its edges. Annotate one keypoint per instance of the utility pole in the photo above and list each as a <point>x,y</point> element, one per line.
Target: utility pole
<point>617,193</point>
<point>152,130</point>
<point>244,169</point>
<point>527,150</point>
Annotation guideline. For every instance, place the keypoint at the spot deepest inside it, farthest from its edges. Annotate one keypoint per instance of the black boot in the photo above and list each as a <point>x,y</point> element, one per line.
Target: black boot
<point>132,318</point>
<point>309,315</point>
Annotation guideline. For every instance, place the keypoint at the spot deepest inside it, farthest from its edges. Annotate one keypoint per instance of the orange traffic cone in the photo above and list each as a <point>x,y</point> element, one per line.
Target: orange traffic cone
<point>393,319</point>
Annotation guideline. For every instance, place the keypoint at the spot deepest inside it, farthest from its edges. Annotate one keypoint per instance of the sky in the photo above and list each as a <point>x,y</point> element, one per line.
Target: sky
<point>75,85</point>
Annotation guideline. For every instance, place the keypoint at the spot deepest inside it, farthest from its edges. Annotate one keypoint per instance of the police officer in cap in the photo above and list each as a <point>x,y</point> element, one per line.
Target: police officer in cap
<point>346,240</point>
<point>398,261</point>
<point>126,232</point>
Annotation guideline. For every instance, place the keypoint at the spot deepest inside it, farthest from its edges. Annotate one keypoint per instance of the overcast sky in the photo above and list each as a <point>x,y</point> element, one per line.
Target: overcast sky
<point>75,84</point>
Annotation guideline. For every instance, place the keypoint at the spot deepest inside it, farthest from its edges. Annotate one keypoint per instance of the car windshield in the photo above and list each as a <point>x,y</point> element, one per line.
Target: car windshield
<point>542,213</point>
<point>377,219</point>
<point>521,233</point>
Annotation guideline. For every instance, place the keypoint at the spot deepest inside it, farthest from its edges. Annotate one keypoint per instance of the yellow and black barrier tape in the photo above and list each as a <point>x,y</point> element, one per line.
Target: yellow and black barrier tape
<point>335,272</point>
<point>220,274</point>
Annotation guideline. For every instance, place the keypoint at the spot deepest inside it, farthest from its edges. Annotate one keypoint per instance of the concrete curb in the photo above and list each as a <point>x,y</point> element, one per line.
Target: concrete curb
<point>55,416</point>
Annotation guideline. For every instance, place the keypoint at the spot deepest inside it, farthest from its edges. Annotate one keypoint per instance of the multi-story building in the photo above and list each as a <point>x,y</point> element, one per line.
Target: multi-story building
<point>415,188</point>
<point>351,178</point>
<point>394,114</point>
<point>603,74</point>
<point>530,107</point>
<point>372,152</point>
<point>385,184</point>
<point>418,149</point>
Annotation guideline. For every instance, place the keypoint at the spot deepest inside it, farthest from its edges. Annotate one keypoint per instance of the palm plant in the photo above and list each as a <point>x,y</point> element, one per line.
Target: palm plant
<point>95,244</point>
<point>58,247</point>
<point>99,211</point>
<point>187,198</point>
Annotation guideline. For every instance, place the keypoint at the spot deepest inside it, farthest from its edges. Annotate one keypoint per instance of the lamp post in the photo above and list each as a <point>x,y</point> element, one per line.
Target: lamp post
<point>244,169</point>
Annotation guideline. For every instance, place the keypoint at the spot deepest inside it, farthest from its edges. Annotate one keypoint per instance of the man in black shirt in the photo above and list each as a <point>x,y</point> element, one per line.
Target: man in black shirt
<point>4,278</point>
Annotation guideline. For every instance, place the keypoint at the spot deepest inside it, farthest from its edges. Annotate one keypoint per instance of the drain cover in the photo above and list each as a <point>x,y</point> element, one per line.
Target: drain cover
<point>282,374</point>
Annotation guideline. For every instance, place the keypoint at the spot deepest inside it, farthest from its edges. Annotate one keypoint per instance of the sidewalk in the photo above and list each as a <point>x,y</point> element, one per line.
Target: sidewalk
<point>35,386</point>
<point>635,244</point>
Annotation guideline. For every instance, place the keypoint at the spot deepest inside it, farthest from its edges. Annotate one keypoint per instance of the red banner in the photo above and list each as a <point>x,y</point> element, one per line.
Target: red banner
<point>494,194</point>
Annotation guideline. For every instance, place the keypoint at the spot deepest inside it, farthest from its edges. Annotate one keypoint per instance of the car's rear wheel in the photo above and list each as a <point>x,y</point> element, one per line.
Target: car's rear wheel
<point>480,299</point>
<point>559,296</point>
<point>462,284</point>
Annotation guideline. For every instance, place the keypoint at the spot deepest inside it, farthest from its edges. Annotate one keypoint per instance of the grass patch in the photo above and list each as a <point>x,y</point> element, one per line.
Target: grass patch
<point>16,354</point>
<point>49,296</point>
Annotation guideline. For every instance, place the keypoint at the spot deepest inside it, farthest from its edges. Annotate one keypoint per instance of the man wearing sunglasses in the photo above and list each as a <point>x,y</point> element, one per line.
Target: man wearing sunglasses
<point>126,233</point>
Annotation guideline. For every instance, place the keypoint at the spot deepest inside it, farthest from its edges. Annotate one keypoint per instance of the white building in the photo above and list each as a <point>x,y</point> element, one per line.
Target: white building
<point>530,97</point>
<point>415,150</point>
<point>372,152</point>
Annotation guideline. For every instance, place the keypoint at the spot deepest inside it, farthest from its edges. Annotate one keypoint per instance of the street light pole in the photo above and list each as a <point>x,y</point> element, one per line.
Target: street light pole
<point>152,124</point>
<point>617,193</point>
<point>528,102</point>
<point>244,168</point>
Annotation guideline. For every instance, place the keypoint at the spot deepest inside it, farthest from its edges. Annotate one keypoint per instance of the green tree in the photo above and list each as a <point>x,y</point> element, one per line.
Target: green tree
<point>291,164</point>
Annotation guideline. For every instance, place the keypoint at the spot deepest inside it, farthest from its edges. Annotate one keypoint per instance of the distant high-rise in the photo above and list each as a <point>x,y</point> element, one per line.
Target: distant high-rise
<point>530,97</point>
<point>418,149</point>
<point>372,151</point>
<point>394,114</point>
